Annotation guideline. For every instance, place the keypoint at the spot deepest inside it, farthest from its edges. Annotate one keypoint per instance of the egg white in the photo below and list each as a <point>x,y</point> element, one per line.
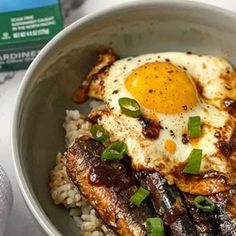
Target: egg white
<point>145,153</point>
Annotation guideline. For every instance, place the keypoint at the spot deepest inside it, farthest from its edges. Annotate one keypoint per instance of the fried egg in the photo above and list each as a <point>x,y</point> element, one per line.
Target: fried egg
<point>170,88</point>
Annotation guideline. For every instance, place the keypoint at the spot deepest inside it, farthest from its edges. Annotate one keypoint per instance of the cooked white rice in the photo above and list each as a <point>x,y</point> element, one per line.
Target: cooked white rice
<point>63,191</point>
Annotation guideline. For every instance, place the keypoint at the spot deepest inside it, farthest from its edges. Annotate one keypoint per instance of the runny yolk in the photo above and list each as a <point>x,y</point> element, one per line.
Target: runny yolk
<point>162,87</point>
<point>170,146</point>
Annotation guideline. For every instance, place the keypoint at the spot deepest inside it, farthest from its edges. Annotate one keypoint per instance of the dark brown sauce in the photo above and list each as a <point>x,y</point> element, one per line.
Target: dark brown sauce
<point>232,109</point>
<point>150,128</point>
<point>81,94</point>
<point>199,87</point>
<point>175,212</point>
<point>225,148</point>
<point>233,141</point>
<point>230,104</point>
<point>94,116</point>
<point>111,176</point>
<point>217,134</point>
<point>185,138</point>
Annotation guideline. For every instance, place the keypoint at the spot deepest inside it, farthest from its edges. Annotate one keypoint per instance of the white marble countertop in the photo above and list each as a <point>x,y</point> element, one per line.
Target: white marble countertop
<point>21,222</point>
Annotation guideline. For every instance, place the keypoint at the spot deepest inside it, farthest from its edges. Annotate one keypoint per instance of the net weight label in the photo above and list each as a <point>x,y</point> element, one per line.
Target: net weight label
<point>30,25</point>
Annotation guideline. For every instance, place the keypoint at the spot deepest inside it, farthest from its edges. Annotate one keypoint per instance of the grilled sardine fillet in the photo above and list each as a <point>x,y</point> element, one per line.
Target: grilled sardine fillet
<point>168,204</point>
<point>225,213</point>
<point>108,186</point>
<point>204,222</point>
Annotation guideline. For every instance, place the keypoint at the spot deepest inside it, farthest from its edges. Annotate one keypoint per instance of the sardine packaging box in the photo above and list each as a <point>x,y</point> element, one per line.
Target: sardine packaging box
<point>25,27</point>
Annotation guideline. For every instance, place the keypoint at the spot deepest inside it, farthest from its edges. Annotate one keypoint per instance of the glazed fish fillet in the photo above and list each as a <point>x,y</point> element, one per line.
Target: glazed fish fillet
<point>108,187</point>
<point>168,203</point>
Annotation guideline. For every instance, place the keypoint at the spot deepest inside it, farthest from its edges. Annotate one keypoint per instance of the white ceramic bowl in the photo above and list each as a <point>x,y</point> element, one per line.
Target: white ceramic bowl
<point>130,29</point>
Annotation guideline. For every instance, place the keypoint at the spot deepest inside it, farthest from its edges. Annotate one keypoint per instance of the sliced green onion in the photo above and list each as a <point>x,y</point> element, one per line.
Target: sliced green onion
<point>155,227</point>
<point>138,197</point>
<point>204,203</point>
<point>194,126</point>
<point>129,107</point>
<point>99,133</point>
<point>194,162</point>
<point>115,151</point>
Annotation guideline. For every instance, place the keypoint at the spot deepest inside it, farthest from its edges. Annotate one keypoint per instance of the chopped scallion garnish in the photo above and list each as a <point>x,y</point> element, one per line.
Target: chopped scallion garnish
<point>194,162</point>
<point>139,196</point>
<point>155,227</point>
<point>99,133</point>
<point>204,203</point>
<point>115,151</point>
<point>130,107</point>
<point>194,126</point>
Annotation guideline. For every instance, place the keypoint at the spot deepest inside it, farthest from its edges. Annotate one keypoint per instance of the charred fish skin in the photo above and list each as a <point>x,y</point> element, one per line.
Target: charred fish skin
<point>168,204</point>
<point>227,226</point>
<point>225,212</point>
<point>204,222</point>
<point>108,187</point>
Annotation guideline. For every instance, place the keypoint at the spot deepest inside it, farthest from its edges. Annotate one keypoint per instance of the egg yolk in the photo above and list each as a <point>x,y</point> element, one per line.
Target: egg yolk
<point>162,87</point>
<point>170,146</point>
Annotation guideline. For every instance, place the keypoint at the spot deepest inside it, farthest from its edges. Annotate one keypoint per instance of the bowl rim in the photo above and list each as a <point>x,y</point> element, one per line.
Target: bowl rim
<point>30,200</point>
